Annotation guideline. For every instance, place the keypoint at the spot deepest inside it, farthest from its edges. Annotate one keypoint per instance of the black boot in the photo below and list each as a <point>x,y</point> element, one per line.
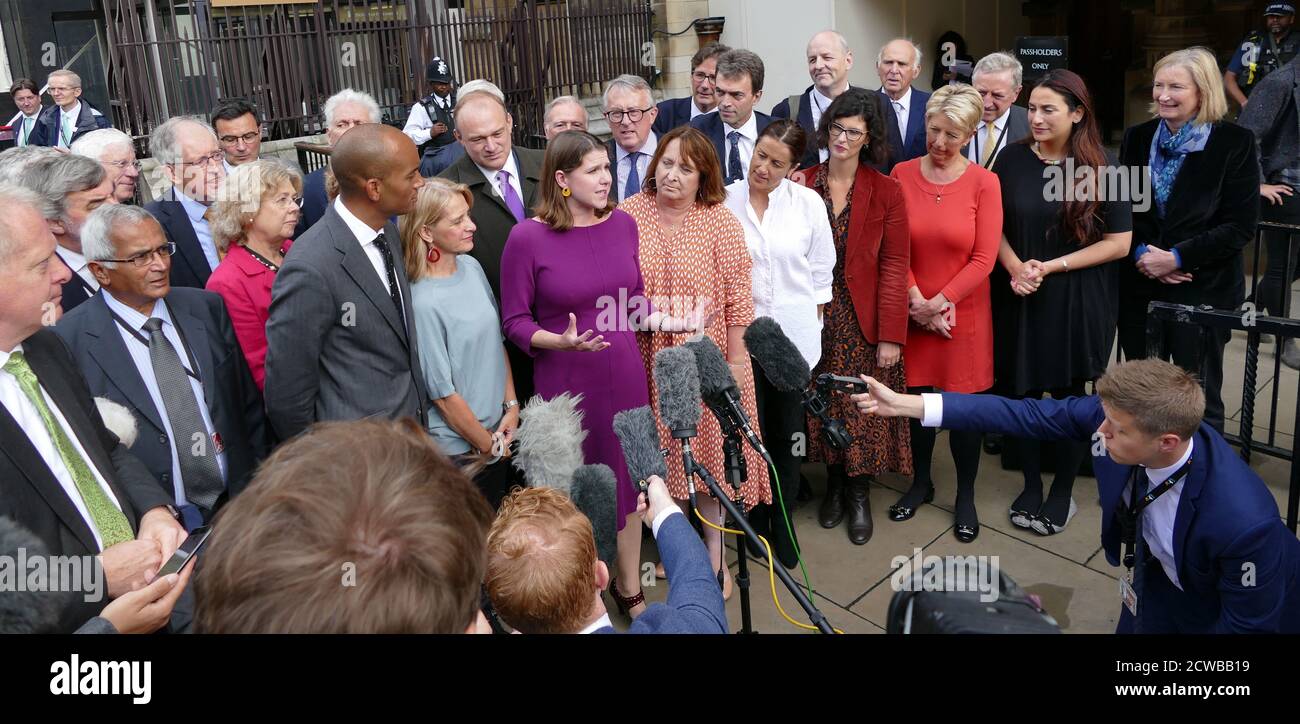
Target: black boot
<point>831,513</point>
<point>859,505</point>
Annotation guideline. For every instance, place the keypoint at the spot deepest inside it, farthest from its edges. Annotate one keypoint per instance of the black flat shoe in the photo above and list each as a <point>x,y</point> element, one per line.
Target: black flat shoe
<point>966,533</point>
<point>899,512</point>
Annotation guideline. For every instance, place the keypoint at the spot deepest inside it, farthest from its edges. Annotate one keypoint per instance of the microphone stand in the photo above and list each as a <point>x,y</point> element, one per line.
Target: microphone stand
<point>737,474</point>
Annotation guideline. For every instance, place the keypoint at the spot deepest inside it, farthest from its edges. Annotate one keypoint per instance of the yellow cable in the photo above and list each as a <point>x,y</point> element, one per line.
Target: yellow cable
<point>771,568</point>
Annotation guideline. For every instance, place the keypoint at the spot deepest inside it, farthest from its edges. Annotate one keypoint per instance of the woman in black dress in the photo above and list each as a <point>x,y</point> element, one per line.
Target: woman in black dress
<point>1055,299</point>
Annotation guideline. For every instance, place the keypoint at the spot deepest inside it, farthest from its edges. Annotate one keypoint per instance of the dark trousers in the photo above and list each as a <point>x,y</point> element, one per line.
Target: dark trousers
<point>782,424</point>
<point>1198,350</point>
<point>494,481</point>
<point>1275,287</point>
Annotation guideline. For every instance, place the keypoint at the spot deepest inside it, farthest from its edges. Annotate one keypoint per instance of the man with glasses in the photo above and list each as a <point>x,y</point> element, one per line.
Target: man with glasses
<point>187,151</point>
<point>70,188</point>
<point>630,110</point>
<point>70,117</point>
<point>115,152</point>
<point>343,111</point>
<point>238,132</point>
<point>171,357</point>
<point>735,127</point>
<point>703,99</point>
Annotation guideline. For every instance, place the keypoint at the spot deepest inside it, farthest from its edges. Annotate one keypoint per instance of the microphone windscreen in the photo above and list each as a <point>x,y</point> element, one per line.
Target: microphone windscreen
<point>715,374</point>
<point>639,437</point>
<point>678,379</point>
<point>549,440</point>
<point>781,361</point>
<point>29,611</point>
<point>595,492</point>
<point>118,419</point>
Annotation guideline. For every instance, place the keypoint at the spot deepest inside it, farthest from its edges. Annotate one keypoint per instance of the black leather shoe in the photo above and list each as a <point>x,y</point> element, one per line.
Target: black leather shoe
<point>900,512</point>
<point>967,533</point>
<point>831,512</point>
<point>992,443</point>
<point>859,509</point>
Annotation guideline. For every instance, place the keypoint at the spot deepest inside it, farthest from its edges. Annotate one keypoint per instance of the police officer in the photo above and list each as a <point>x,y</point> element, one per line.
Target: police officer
<point>430,123</point>
<point>1261,53</point>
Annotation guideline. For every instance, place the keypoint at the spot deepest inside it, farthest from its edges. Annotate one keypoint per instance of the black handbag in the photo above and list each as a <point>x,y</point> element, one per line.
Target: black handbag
<point>963,612</point>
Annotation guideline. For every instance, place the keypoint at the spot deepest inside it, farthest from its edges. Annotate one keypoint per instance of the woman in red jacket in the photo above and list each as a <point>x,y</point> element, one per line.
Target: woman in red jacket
<point>252,223</point>
<point>865,323</point>
<point>955,217</point>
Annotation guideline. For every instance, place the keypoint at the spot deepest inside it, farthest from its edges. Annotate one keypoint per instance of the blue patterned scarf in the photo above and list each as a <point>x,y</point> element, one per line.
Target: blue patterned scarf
<point>1168,151</point>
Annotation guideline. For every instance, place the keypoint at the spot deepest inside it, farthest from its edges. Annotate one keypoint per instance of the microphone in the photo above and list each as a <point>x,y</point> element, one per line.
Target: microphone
<point>118,419</point>
<point>788,371</point>
<point>594,491</point>
<point>32,611</point>
<point>720,392</point>
<point>677,376</point>
<point>639,437</point>
<point>549,441</point>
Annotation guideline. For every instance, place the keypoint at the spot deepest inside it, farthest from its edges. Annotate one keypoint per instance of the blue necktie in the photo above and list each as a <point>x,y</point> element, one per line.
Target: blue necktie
<point>633,186</point>
<point>733,158</point>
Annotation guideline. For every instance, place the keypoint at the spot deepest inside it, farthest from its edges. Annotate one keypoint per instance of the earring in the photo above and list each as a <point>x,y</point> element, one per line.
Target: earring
<point>433,255</point>
<point>566,193</point>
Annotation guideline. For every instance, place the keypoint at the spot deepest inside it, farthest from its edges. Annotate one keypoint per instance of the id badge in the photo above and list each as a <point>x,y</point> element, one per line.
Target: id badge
<point>1128,595</point>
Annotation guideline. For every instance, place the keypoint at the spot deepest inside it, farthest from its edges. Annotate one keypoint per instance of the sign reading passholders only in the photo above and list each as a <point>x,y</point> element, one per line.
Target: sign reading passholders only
<point>1042,53</point>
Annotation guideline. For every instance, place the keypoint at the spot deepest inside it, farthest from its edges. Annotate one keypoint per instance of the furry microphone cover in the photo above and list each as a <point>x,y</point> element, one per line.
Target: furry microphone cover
<point>784,367</point>
<point>549,441</point>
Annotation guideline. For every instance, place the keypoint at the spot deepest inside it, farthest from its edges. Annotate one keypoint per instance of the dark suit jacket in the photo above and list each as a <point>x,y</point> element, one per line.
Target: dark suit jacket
<point>713,127</point>
<point>910,142</point>
<point>694,603</point>
<point>189,264</point>
<point>232,398</point>
<point>314,201</point>
<point>673,112</point>
<point>812,156</point>
<point>45,132</point>
<point>878,255</point>
<point>1017,130</point>
<point>1210,218</point>
<point>336,348</point>
<point>1226,518</point>
<point>611,148</point>
<point>29,492</point>
<point>75,290</point>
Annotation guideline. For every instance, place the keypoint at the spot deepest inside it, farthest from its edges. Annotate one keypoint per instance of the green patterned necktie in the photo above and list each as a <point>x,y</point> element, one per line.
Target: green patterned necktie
<point>110,523</point>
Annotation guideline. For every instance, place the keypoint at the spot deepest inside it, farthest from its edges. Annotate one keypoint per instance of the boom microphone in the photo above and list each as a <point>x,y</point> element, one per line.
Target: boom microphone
<point>549,441</point>
<point>720,392</point>
<point>594,491</point>
<point>678,379</point>
<point>639,437</point>
<point>781,361</point>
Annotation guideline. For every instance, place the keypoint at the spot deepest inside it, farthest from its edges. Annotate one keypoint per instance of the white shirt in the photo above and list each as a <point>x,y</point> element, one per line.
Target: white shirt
<point>793,254</point>
<point>419,124</point>
<point>817,104</point>
<point>1157,519</point>
<point>594,626</point>
<point>366,238</point>
<point>67,124</point>
<point>513,169</point>
<point>902,109</point>
<point>25,127</point>
<point>144,366</point>
<point>624,166</point>
<point>695,110</point>
<point>78,264</point>
<point>985,135</point>
<point>195,210</point>
<point>748,138</point>
<point>30,421</point>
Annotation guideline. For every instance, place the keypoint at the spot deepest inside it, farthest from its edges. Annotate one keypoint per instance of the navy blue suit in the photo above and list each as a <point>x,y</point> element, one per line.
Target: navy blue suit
<point>673,112</point>
<point>75,290</point>
<point>45,132</point>
<point>189,263</point>
<point>1226,519</point>
<point>713,127</point>
<point>911,143</point>
<point>694,600</point>
<point>314,200</point>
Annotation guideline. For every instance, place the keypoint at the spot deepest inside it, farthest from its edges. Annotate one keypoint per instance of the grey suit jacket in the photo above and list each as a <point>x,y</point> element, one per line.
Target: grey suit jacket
<point>1272,116</point>
<point>1017,130</point>
<point>336,348</point>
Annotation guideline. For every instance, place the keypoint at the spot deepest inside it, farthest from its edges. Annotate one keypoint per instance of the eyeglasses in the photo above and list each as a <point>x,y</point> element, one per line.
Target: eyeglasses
<point>246,138</point>
<point>121,165</point>
<point>285,202</point>
<point>853,134</point>
<point>701,77</point>
<point>211,158</point>
<point>143,259</point>
<point>634,115</point>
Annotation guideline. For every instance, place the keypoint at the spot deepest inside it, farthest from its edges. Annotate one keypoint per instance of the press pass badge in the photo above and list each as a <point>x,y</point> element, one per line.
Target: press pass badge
<point>1128,595</point>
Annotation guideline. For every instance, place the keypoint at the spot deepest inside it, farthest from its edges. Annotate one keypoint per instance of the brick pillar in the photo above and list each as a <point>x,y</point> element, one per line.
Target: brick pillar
<point>674,53</point>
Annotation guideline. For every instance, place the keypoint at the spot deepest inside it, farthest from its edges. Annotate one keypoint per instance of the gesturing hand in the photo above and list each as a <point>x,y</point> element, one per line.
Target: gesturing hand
<point>581,342</point>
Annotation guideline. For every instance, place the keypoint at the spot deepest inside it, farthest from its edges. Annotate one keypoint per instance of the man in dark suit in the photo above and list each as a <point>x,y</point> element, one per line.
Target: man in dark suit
<point>69,118</point>
<point>503,181</point>
<point>703,99</point>
<point>341,338</point>
<point>140,340</point>
<point>542,528</point>
<point>997,77</point>
<point>343,111</point>
<point>898,64</point>
<point>630,110</point>
<point>190,156</point>
<point>63,475</point>
<point>1205,546</point>
<point>735,127</point>
<point>829,62</point>
<point>71,187</point>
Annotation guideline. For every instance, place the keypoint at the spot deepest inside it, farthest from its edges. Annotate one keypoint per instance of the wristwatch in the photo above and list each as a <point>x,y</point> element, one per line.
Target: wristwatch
<point>505,406</point>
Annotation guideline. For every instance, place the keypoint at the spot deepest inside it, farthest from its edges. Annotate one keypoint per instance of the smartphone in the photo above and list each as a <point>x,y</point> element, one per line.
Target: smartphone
<point>187,550</point>
<point>847,385</point>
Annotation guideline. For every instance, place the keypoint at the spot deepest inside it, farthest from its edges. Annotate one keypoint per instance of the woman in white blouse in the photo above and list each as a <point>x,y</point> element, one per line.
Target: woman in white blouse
<point>789,239</point>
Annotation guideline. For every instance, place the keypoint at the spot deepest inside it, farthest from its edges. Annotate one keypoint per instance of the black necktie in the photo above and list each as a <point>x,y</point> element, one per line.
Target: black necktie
<point>394,291</point>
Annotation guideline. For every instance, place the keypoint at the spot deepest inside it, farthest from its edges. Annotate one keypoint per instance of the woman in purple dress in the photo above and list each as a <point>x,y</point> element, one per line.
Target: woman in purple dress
<point>575,266</point>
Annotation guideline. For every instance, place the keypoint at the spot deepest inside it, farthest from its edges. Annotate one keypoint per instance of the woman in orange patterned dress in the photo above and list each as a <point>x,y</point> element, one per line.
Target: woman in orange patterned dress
<point>693,253</point>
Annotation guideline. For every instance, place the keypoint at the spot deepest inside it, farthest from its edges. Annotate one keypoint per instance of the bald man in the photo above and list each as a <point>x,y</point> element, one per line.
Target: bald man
<point>829,61</point>
<point>340,338</point>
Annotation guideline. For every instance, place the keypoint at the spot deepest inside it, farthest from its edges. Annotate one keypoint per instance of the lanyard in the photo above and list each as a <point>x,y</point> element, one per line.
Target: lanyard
<point>145,341</point>
<point>996,143</point>
<point>1133,512</point>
